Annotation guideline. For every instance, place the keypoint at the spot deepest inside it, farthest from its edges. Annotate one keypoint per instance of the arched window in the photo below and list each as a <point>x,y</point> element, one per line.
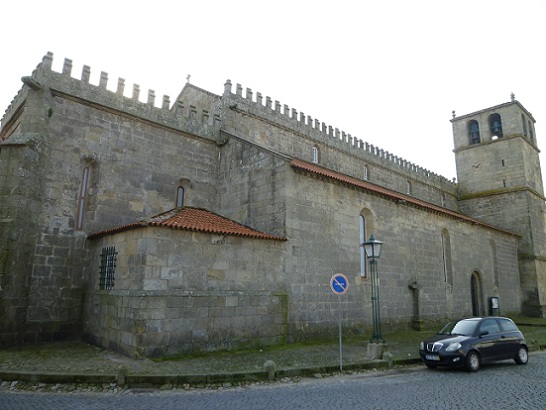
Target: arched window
<point>531,135</point>
<point>82,197</point>
<point>474,132</point>
<point>408,187</point>
<point>366,173</point>
<point>315,155</point>
<point>366,227</point>
<point>476,294</point>
<point>363,236</point>
<point>495,125</point>
<point>443,199</point>
<point>494,259</point>
<point>446,257</point>
<point>179,196</point>
<point>524,124</point>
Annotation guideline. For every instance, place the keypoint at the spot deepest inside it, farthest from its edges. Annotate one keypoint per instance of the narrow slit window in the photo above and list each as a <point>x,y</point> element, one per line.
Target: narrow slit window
<point>179,197</point>
<point>315,155</point>
<point>82,198</point>
<point>446,257</point>
<point>363,236</point>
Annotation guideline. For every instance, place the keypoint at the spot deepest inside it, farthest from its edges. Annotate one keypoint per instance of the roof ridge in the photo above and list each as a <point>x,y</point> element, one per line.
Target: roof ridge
<point>194,219</point>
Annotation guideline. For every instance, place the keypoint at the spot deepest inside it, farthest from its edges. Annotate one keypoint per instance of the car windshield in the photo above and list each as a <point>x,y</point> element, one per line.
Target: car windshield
<point>460,327</point>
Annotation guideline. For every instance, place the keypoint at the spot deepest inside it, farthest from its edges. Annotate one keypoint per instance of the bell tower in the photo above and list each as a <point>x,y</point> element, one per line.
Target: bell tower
<point>500,183</point>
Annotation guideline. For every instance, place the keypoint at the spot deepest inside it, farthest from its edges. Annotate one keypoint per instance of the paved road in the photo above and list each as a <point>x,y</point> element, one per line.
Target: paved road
<point>500,386</point>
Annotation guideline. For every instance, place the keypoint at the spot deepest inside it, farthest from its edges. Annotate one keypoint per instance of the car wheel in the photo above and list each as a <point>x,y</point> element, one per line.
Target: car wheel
<point>472,362</point>
<point>522,356</point>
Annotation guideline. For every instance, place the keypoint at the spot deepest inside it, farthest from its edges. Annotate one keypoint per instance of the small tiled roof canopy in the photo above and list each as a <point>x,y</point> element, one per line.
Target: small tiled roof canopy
<point>194,219</point>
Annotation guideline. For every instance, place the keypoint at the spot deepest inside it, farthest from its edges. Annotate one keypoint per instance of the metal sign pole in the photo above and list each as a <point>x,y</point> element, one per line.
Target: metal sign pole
<point>340,344</point>
<point>339,285</point>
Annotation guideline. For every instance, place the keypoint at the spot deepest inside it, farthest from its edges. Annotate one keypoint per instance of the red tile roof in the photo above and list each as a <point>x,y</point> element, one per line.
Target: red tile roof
<point>386,193</point>
<point>194,219</point>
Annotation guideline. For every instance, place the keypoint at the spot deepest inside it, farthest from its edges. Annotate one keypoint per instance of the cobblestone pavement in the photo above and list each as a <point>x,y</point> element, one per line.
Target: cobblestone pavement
<point>499,386</point>
<point>81,367</point>
<point>78,367</point>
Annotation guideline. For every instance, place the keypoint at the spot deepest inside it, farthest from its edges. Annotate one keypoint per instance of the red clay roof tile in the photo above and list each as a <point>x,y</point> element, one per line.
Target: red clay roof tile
<point>324,172</point>
<point>194,219</point>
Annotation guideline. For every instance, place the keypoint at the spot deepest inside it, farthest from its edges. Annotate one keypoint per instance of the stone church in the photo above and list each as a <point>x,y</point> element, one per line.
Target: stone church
<point>217,221</point>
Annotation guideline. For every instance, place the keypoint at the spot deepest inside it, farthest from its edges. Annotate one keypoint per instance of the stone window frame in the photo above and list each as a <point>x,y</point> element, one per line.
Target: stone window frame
<point>474,133</point>
<point>315,154</point>
<point>365,227</point>
<point>82,197</point>
<point>179,199</point>
<point>107,269</point>
<point>491,121</point>
<point>447,263</point>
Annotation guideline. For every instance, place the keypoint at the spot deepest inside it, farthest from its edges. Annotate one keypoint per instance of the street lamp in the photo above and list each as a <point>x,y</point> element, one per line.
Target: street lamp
<point>373,251</point>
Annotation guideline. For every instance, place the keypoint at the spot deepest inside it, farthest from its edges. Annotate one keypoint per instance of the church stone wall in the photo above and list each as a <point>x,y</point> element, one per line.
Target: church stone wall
<point>133,151</point>
<point>323,227</point>
<point>177,292</point>
<point>18,200</point>
<point>252,184</point>
<point>265,122</point>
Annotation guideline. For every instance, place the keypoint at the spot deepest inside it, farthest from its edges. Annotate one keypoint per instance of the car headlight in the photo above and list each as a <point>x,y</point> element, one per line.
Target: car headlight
<point>453,346</point>
<point>422,346</point>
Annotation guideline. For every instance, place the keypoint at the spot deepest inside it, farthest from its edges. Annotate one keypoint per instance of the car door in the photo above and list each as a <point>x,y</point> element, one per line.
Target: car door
<point>491,342</point>
<point>510,337</point>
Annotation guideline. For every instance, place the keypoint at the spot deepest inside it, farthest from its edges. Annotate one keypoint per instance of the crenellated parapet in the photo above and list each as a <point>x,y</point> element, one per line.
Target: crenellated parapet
<point>198,112</point>
<point>250,103</point>
<point>179,116</point>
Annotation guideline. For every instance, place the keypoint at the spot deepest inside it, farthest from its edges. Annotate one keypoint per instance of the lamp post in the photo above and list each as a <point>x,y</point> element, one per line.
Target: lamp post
<point>373,251</point>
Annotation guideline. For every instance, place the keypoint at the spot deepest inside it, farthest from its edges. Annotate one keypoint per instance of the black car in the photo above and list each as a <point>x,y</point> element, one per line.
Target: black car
<point>469,342</point>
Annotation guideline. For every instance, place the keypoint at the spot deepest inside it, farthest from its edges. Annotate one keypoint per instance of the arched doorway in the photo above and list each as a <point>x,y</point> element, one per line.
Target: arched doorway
<point>476,292</point>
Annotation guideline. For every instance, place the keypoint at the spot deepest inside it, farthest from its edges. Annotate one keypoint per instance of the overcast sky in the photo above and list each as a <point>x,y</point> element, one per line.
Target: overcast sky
<point>389,72</point>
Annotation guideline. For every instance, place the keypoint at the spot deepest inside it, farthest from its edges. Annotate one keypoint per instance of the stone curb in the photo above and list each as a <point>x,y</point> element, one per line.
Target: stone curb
<point>143,380</point>
<point>153,381</point>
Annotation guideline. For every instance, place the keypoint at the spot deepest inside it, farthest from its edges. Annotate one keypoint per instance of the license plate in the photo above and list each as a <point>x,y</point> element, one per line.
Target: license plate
<point>431,357</point>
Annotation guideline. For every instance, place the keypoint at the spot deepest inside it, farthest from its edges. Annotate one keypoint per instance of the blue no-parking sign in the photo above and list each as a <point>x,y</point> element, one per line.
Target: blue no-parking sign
<point>339,284</point>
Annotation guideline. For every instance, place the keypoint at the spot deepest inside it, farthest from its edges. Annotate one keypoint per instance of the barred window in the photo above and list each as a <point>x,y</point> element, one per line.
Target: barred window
<point>107,267</point>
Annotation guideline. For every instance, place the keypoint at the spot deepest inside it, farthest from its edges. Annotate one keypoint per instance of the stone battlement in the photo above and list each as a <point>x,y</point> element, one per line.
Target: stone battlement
<point>202,122</point>
<point>178,116</point>
<point>281,114</point>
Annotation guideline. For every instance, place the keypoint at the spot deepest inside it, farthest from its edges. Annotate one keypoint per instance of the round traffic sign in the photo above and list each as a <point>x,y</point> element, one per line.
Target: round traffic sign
<point>339,284</point>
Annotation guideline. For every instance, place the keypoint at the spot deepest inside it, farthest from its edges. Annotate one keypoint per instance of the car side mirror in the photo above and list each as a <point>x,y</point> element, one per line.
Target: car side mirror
<point>484,333</point>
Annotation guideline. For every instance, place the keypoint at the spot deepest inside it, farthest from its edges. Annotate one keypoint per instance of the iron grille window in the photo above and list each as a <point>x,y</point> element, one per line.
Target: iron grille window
<point>107,267</point>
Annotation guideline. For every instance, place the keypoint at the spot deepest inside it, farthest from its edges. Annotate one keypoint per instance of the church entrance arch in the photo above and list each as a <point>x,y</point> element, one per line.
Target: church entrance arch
<point>476,293</point>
